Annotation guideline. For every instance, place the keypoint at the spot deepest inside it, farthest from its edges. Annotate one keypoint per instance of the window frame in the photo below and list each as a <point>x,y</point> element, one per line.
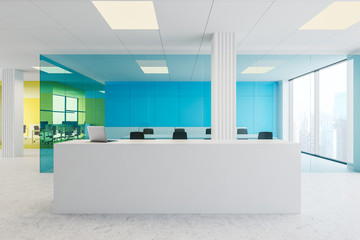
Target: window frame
<point>316,107</point>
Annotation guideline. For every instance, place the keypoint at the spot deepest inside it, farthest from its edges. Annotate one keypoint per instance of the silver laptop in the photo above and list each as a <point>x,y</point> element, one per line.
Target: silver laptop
<point>97,134</point>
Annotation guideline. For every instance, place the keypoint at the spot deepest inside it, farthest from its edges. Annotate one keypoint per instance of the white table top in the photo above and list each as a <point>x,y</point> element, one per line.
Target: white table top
<point>170,141</point>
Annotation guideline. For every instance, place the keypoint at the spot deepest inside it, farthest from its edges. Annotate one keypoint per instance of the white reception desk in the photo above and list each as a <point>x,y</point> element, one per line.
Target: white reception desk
<point>177,176</point>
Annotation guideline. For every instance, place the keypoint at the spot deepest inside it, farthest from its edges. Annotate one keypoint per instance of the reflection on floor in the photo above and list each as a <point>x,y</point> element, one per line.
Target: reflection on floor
<point>30,143</point>
<point>315,164</point>
<point>329,211</point>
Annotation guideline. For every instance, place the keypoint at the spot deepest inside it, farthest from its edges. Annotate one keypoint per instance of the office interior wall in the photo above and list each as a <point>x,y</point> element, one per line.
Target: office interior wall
<point>257,106</point>
<point>31,111</point>
<point>0,114</point>
<point>68,123</point>
<point>355,59</point>
<point>157,104</point>
<point>187,104</point>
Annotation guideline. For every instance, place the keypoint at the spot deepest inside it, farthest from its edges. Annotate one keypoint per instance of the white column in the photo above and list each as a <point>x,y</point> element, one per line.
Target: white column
<point>284,110</point>
<point>350,114</point>
<point>223,86</point>
<point>291,111</point>
<point>12,113</point>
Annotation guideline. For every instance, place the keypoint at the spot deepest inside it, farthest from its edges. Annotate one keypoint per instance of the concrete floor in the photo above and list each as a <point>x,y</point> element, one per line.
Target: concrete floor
<point>330,210</point>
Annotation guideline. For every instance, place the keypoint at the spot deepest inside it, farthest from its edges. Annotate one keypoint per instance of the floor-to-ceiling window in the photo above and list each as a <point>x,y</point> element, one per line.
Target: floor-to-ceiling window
<point>319,111</point>
<point>303,112</point>
<point>65,109</point>
<point>332,111</point>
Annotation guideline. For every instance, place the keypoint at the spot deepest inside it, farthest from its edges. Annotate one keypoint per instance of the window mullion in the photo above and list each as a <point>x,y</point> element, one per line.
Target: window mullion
<point>316,113</point>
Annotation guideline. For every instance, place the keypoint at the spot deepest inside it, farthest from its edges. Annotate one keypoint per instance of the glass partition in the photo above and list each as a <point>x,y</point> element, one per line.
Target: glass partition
<point>66,107</point>
<point>124,93</point>
<point>158,94</point>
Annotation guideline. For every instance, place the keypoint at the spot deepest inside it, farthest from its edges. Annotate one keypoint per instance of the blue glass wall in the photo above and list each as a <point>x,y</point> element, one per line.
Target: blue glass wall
<point>157,104</point>
<point>257,106</point>
<point>68,123</point>
<point>186,104</point>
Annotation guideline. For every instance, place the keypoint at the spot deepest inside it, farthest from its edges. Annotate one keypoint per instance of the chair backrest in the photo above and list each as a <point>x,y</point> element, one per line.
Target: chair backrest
<point>42,124</point>
<point>265,135</point>
<point>242,131</point>
<point>208,131</point>
<point>179,130</point>
<point>36,128</point>
<point>137,135</point>
<point>179,135</point>
<point>148,131</point>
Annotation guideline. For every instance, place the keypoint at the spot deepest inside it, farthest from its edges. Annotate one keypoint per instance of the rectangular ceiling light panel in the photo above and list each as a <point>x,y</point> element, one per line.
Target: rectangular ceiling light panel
<point>337,16</point>
<point>153,66</point>
<point>155,70</point>
<point>257,70</point>
<point>53,70</point>
<point>128,14</point>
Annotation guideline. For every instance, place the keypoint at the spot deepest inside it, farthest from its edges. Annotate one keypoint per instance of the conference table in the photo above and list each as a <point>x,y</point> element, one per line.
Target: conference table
<point>192,136</point>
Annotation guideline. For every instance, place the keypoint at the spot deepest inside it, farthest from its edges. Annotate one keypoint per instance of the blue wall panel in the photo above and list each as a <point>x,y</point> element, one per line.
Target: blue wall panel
<point>167,88</point>
<point>117,110</point>
<point>257,106</point>
<point>166,111</point>
<point>192,111</point>
<point>264,88</point>
<point>244,89</point>
<point>141,89</point>
<point>207,111</point>
<point>192,88</point>
<point>141,111</point>
<point>117,88</point>
<point>187,104</point>
<point>245,112</point>
<point>264,114</point>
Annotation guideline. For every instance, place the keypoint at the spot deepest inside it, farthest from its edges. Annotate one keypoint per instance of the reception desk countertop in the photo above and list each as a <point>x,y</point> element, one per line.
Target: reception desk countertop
<point>178,141</point>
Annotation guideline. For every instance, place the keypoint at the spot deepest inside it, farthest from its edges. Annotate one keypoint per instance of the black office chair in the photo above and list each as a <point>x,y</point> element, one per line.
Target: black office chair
<point>265,135</point>
<point>137,135</point>
<point>179,135</point>
<point>37,132</point>
<point>208,131</point>
<point>242,131</point>
<point>179,130</point>
<point>148,131</point>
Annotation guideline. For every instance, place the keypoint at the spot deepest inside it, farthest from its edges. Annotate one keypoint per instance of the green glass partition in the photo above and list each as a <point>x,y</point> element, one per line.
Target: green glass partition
<point>69,101</point>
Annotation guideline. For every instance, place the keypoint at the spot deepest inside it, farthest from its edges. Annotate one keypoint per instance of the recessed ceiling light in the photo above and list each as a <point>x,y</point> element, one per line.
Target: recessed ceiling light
<point>337,16</point>
<point>128,14</point>
<point>52,70</point>
<point>153,66</point>
<point>155,70</point>
<point>102,91</point>
<point>257,70</point>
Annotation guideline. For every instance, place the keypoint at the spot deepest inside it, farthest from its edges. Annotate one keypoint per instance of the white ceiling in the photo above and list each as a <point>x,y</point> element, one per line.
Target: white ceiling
<point>29,28</point>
